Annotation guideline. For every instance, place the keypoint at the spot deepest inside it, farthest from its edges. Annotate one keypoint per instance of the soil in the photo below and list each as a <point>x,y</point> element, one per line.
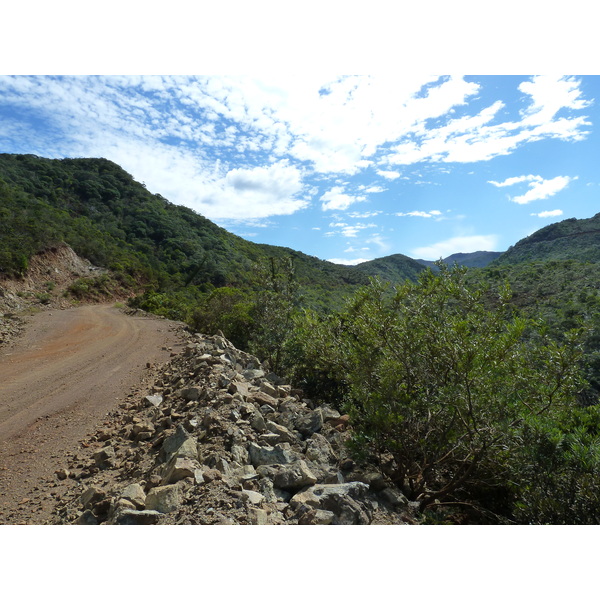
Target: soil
<point>58,381</point>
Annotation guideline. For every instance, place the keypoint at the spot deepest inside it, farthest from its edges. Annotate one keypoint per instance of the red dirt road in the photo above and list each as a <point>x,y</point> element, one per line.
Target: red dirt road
<point>57,383</point>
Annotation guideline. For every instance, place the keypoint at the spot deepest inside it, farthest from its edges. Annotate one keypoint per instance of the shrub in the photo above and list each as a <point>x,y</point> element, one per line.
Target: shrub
<point>438,386</point>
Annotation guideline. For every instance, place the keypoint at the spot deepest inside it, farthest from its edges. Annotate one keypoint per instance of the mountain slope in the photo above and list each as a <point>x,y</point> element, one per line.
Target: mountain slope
<point>576,239</point>
<point>107,217</point>
<point>478,259</point>
<point>394,268</point>
<point>115,222</point>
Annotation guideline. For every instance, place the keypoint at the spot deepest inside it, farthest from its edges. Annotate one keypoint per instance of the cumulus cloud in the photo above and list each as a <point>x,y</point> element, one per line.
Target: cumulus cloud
<point>539,188</point>
<point>254,193</point>
<point>472,243</point>
<point>388,174</point>
<point>548,213</point>
<point>336,199</point>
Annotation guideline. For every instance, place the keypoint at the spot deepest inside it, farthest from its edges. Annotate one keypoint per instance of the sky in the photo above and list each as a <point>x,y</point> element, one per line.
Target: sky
<point>346,168</point>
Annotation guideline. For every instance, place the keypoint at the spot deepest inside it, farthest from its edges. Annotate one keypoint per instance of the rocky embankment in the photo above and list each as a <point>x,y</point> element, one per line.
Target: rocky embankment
<point>218,440</point>
<point>44,286</point>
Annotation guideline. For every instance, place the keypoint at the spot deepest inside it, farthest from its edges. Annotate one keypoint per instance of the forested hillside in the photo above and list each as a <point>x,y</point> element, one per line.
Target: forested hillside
<point>577,239</point>
<point>474,391</point>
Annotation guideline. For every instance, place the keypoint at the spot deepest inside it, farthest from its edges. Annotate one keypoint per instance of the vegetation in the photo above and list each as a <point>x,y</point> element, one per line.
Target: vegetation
<point>459,403</point>
<point>474,390</point>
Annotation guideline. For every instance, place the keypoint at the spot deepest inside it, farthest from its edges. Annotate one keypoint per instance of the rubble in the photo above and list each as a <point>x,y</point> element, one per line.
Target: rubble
<point>217,439</point>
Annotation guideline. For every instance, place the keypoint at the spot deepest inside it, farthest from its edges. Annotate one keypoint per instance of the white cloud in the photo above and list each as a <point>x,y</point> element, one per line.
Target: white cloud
<point>372,189</point>
<point>346,230</point>
<point>254,193</point>
<point>472,243</point>
<point>364,215</point>
<point>539,188</point>
<point>549,95</point>
<point>388,174</point>
<point>420,213</point>
<point>336,199</point>
<point>514,180</point>
<point>382,244</point>
<point>548,213</point>
<point>478,138</point>
<point>348,262</point>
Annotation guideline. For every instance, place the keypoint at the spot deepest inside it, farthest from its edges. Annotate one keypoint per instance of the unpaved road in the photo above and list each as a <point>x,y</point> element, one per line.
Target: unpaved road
<point>57,384</point>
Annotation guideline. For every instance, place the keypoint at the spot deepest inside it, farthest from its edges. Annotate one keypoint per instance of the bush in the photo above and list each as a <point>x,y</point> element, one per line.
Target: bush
<point>439,387</point>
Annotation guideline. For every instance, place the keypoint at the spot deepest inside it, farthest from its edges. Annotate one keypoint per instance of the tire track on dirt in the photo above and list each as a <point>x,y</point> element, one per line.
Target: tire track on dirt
<point>57,384</point>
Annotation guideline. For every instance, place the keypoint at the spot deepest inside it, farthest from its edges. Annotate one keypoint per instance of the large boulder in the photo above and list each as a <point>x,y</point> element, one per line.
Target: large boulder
<point>164,499</point>
<point>347,501</point>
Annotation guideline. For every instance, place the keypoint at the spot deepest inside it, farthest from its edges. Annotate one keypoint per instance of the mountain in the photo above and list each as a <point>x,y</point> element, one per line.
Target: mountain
<point>478,259</point>
<point>107,217</point>
<point>576,239</point>
<point>394,268</point>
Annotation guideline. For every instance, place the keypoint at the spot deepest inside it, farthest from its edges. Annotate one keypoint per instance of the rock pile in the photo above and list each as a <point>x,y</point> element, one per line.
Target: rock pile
<point>219,440</point>
<point>10,327</point>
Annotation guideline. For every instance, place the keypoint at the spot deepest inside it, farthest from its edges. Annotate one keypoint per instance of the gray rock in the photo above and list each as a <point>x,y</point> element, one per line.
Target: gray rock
<point>252,374</point>
<point>252,496</point>
<point>134,493</point>
<point>180,443</point>
<point>267,388</point>
<point>317,516</point>
<point>319,450</point>
<point>179,468</point>
<point>105,457</point>
<point>153,400</point>
<point>394,497</point>
<point>294,477</point>
<point>256,420</point>
<point>91,496</point>
<point>190,394</point>
<point>87,518</point>
<point>348,501</point>
<point>283,433</point>
<point>138,517</point>
<point>238,387</point>
<point>261,399</point>
<point>310,423</point>
<point>164,499</point>
<point>258,516</point>
<point>240,454</point>
<point>260,455</point>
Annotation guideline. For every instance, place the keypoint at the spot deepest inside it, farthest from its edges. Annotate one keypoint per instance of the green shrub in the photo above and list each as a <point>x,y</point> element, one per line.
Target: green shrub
<point>438,385</point>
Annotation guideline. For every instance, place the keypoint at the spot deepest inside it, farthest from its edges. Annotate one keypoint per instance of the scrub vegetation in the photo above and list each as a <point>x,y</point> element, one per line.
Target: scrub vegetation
<point>474,390</point>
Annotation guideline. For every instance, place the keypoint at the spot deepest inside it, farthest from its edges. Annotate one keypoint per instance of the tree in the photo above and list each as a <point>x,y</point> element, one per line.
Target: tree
<point>274,307</point>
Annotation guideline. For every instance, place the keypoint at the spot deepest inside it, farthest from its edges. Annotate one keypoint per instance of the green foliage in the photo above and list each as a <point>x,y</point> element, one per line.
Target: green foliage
<point>105,216</point>
<point>576,239</point>
<point>274,307</point>
<point>227,310</point>
<point>438,385</point>
<point>559,481</point>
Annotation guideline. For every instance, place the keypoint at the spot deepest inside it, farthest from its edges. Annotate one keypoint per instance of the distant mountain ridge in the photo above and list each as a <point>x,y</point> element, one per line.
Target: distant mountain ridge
<point>479,259</point>
<point>571,239</point>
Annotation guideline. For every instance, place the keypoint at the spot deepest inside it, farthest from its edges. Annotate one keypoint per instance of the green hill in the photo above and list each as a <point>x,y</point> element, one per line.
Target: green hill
<point>107,217</point>
<point>394,268</point>
<point>577,239</point>
<point>472,260</point>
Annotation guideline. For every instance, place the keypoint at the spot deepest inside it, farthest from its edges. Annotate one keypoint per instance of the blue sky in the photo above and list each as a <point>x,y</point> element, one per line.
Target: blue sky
<point>346,168</point>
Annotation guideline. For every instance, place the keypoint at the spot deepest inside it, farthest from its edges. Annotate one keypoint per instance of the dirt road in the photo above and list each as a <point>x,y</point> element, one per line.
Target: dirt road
<point>57,383</point>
